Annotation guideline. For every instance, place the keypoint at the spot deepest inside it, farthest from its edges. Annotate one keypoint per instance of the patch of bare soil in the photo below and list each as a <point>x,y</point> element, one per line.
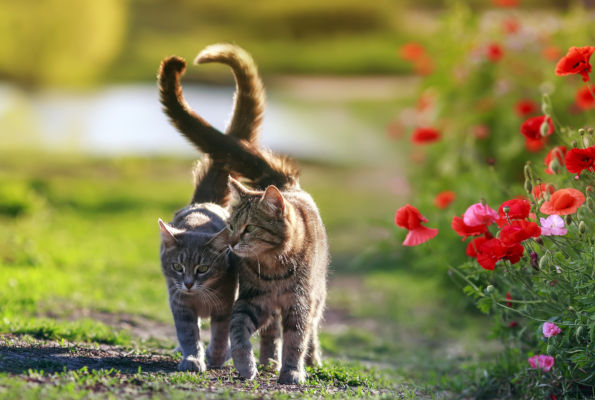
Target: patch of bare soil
<point>19,354</point>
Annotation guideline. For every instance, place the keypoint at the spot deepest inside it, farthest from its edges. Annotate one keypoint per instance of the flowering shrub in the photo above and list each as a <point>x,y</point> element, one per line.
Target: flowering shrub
<point>530,261</point>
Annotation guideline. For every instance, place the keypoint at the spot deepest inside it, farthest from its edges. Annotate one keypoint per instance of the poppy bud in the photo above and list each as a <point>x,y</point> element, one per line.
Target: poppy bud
<point>555,165</point>
<point>579,333</point>
<point>528,186</point>
<point>581,131</point>
<point>582,228</point>
<point>506,209</point>
<point>590,131</point>
<point>490,289</point>
<point>544,128</point>
<point>573,144</point>
<point>544,261</point>
<point>590,204</point>
<point>589,188</point>
<point>568,219</point>
<point>534,260</point>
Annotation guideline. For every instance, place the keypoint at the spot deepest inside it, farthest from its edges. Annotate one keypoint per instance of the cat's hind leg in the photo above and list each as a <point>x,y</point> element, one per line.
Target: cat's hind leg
<point>219,351</point>
<point>270,343</point>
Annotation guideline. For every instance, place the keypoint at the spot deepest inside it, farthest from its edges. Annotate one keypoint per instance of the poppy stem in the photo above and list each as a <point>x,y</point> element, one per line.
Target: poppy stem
<point>456,271</point>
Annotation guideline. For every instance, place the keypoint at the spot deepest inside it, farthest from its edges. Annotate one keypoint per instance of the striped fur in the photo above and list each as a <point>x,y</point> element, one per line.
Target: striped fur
<point>282,245</point>
<point>200,275</point>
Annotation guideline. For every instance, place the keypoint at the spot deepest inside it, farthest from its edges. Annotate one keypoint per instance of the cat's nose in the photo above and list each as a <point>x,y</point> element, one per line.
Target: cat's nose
<point>233,241</point>
<point>188,284</point>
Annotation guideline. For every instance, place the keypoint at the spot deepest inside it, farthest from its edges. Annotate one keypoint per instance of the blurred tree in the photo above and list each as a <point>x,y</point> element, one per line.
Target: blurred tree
<point>59,42</point>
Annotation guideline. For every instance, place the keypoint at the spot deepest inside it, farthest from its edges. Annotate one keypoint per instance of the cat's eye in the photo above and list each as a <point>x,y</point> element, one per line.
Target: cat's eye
<point>201,269</point>
<point>250,229</point>
<point>177,267</point>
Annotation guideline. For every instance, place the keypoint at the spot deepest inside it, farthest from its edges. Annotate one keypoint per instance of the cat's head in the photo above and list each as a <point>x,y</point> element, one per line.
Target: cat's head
<point>192,260</point>
<point>258,222</point>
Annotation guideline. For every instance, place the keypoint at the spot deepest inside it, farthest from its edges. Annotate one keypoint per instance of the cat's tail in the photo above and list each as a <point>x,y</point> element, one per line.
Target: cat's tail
<point>249,98</point>
<point>210,182</point>
<point>261,167</point>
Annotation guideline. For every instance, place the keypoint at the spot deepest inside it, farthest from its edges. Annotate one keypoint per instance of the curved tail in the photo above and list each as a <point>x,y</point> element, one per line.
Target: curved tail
<point>239,156</point>
<point>249,98</point>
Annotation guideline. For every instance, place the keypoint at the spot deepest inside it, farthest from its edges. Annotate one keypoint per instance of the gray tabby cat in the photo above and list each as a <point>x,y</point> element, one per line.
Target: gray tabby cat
<point>278,234</point>
<point>201,277</point>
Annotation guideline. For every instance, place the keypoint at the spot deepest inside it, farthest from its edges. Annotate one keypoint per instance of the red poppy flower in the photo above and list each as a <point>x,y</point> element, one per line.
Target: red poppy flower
<point>576,61</point>
<point>518,231</point>
<point>563,202</point>
<point>551,53</point>
<point>518,209</point>
<point>480,131</point>
<point>535,145</point>
<point>443,199</point>
<point>577,160</point>
<point>425,135</point>
<point>525,107</point>
<point>494,52</point>
<point>531,128</point>
<point>410,218</point>
<point>514,253</point>
<point>513,324</point>
<point>473,246</point>
<point>584,99</point>
<point>539,190</point>
<point>506,3</point>
<point>508,297</point>
<point>423,66</point>
<point>510,25</point>
<point>459,226</point>
<point>489,253</point>
<point>557,153</point>
<point>412,51</point>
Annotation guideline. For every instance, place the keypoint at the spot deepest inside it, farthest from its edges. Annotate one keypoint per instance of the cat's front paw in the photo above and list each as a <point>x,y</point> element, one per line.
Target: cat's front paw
<point>291,377</point>
<point>245,364</point>
<point>192,364</point>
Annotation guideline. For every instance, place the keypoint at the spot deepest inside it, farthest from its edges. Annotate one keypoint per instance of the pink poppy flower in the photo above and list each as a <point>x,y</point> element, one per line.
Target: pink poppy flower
<point>553,226</point>
<point>550,329</point>
<point>542,362</point>
<point>479,214</point>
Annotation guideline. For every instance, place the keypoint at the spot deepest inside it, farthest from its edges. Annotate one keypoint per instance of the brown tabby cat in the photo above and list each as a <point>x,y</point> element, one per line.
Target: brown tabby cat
<point>284,257</point>
<point>281,241</point>
<point>201,277</point>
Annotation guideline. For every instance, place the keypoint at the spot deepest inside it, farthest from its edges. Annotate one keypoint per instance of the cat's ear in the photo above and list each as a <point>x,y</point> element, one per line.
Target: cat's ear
<point>272,199</point>
<point>220,241</point>
<point>236,190</point>
<point>168,234</point>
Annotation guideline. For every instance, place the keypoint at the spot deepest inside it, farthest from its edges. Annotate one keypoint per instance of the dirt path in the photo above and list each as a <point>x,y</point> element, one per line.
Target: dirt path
<point>140,370</point>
